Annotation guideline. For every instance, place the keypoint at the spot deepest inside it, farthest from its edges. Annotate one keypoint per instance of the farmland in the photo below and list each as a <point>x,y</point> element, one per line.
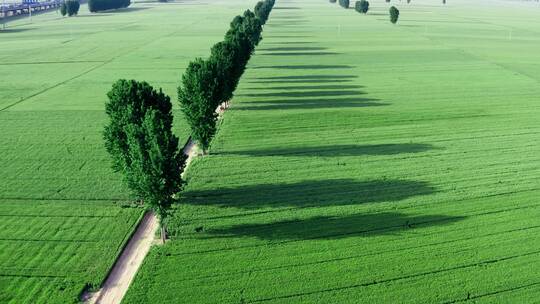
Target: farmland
<point>64,214</point>
<point>359,162</point>
<point>363,162</point>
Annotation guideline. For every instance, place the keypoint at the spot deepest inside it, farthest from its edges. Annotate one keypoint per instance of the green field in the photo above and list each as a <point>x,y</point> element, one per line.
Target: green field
<point>62,222</point>
<point>363,162</point>
<point>360,162</point>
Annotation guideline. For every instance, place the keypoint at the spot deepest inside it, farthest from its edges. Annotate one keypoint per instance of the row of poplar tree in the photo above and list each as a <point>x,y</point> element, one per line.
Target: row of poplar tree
<point>139,135</point>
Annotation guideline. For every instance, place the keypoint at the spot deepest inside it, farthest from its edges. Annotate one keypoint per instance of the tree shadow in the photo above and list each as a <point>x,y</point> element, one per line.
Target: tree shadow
<point>311,103</point>
<point>305,79</point>
<point>298,54</point>
<point>305,67</point>
<point>287,36</point>
<point>289,42</point>
<point>315,93</point>
<point>337,150</point>
<point>335,227</point>
<point>15,30</point>
<point>310,193</point>
<point>314,77</point>
<point>294,48</point>
<point>305,87</point>
<point>125,10</point>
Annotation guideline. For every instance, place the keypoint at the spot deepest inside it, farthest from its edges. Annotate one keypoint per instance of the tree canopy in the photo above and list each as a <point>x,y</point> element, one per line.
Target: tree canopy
<point>140,141</point>
<point>362,6</point>
<point>344,3</point>
<point>103,5</point>
<point>394,14</point>
<point>70,7</point>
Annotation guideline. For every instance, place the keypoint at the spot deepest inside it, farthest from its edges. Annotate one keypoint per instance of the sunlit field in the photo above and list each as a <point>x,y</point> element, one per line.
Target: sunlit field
<point>359,162</point>
<point>365,162</point>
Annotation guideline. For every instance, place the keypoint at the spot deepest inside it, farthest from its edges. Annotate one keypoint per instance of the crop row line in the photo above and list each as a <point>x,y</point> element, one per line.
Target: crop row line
<point>395,279</point>
<point>353,257</point>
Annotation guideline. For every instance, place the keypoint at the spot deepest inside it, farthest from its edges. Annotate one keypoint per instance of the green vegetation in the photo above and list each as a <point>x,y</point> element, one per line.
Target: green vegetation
<point>344,3</point>
<point>394,14</point>
<point>63,9</point>
<point>206,84</point>
<point>263,9</point>
<point>71,7</point>
<point>104,5</point>
<point>141,143</point>
<point>197,96</point>
<point>65,213</point>
<point>361,6</point>
<point>411,177</point>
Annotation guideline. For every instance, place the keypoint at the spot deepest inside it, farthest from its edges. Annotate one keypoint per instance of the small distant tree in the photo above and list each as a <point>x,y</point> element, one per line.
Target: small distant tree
<point>198,97</point>
<point>387,1</point>
<point>333,1</point>
<point>72,7</point>
<point>362,6</point>
<point>443,1</point>
<point>408,1</point>
<point>63,9</point>
<point>143,148</point>
<point>344,3</point>
<point>394,14</point>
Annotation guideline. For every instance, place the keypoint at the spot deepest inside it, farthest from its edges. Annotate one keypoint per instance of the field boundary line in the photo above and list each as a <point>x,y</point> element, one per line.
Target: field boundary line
<point>103,63</point>
<point>57,85</point>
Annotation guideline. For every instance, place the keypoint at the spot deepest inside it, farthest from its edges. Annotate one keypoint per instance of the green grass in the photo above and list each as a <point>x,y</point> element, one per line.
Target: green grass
<point>62,222</point>
<point>365,162</point>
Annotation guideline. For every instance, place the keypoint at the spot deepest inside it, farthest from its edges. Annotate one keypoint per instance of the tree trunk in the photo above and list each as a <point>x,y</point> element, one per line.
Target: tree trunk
<point>163,234</point>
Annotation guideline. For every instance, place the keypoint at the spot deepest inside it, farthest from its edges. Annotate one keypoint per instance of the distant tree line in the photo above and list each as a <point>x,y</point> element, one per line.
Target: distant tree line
<point>362,6</point>
<point>139,134</point>
<point>103,5</point>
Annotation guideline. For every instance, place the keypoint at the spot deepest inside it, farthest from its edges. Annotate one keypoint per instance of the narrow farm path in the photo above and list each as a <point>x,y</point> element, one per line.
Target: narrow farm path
<point>127,265</point>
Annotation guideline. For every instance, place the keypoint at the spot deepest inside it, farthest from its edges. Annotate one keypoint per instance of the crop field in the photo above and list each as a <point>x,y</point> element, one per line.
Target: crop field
<point>64,214</point>
<point>365,162</point>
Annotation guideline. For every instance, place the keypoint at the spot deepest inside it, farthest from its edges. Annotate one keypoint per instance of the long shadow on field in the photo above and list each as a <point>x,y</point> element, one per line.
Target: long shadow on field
<point>311,103</point>
<point>310,193</point>
<point>313,93</point>
<point>306,79</point>
<point>15,30</point>
<point>337,150</point>
<point>287,36</point>
<point>335,227</point>
<point>294,48</point>
<point>299,54</point>
<point>306,67</point>
<point>125,10</point>
<point>290,43</point>
<point>312,87</point>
